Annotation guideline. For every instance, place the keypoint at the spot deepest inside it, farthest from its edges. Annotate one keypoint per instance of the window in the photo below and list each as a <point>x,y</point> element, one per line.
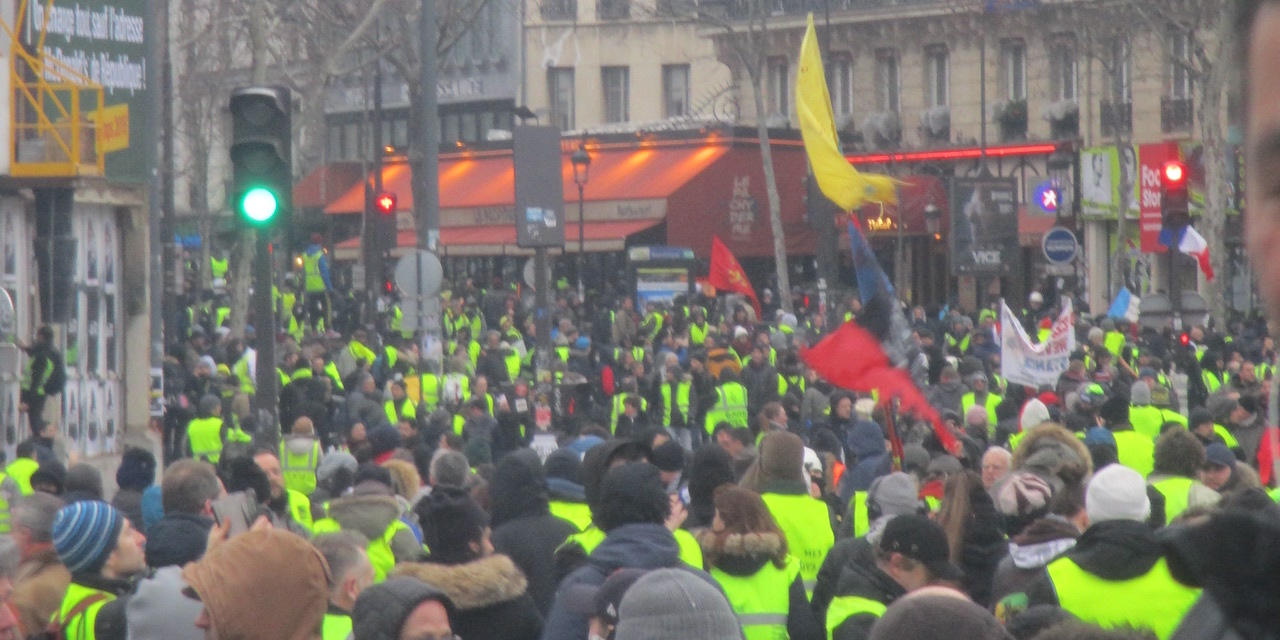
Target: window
<point>936,77</point>
<point>613,9</point>
<point>675,90</point>
<point>841,82</point>
<point>559,9</point>
<point>1121,68</point>
<point>560,92</point>
<point>779,87</point>
<point>616,82</point>
<point>887,80</point>
<point>1013,69</point>
<point>1179,57</point>
<point>1062,69</point>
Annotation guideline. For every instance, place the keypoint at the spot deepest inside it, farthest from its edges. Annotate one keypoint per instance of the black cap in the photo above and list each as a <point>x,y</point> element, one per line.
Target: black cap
<point>669,456</point>
<point>602,600</point>
<point>923,540</point>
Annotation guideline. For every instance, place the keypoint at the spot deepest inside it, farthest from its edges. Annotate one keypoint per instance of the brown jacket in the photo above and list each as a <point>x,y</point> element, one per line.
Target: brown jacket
<point>38,589</point>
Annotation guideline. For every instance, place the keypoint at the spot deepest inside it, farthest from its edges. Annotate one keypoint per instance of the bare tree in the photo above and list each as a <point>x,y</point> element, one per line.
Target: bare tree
<point>742,33</point>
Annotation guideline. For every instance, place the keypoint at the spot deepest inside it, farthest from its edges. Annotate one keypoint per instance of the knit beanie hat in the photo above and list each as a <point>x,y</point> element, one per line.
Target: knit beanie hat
<point>895,494</point>
<point>781,458</point>
<point>85,534</point>
<point>669,456</point>
<point>1139,394</point>
<point>632,493</point>
<point>478,451</point>
<point>564,464</point>
<point>1117,492</point>
<point>1033,414</point>
<point>84,482</point>
<point>674,604</point>
<point>930,614</point>
<point>137,469</point>
<point>451,521</point>
<point>1115,410</point>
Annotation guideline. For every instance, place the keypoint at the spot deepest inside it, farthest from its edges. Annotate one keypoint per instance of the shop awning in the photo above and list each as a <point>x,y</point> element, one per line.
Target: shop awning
<point>625,181</point>
<point>500,240</point>
<point>326,183</point>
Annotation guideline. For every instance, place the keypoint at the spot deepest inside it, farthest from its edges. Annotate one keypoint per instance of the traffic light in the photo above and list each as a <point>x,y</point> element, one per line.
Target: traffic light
<point>261,156</point>
<point>385,203</point>
<point>1175,204</point>
<point>1184,339</point>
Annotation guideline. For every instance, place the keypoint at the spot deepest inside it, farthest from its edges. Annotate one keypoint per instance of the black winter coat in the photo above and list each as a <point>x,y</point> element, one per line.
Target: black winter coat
<point>489,595</point>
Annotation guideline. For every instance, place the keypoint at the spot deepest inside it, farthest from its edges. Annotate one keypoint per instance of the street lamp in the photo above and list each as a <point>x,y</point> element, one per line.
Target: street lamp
<point>581,163</point>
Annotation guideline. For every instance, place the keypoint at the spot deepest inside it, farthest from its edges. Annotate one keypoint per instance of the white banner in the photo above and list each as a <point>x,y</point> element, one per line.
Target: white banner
<point>1035,365</point>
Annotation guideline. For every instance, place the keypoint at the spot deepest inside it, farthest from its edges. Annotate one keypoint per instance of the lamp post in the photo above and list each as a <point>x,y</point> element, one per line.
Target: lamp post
<point>933,225</point>
<point>581,163</point>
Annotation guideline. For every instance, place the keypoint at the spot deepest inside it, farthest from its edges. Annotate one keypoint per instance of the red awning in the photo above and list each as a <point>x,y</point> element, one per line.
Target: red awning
<point>487,179</point>
<point>496,239</point>
<point>326,183</point>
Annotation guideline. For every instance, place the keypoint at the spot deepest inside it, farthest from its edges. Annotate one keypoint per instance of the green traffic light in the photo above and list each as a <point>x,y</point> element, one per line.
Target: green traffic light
<point>259,205</point>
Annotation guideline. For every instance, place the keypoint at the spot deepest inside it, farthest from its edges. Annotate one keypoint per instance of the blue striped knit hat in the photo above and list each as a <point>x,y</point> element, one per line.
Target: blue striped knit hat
<point>85,534</point>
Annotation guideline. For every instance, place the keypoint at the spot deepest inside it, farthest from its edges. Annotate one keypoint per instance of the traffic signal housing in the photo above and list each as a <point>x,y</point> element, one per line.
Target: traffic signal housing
<point>262,156</point>
<point>1175,203</point>
<point>385,203</point>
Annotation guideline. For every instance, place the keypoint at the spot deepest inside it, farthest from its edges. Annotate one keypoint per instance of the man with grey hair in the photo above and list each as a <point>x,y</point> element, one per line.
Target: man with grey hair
<point>350,573</point>
<point>449,469</point>
<point>996,463</point>
<point>40,580</point>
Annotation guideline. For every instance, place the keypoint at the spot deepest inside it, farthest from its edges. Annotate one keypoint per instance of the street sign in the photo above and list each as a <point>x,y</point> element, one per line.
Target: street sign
<point>1059,245</point>
<point>539,187</point>
<point>1047,198</point>
<point>419,274</point>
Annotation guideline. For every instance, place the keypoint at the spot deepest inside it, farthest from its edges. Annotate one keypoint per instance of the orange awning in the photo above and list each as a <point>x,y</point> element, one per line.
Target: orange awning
<point>470,181</point>
<point>494,239</point>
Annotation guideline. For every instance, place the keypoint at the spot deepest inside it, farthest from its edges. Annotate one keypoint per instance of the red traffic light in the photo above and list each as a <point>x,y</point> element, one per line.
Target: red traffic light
<point>1184,339</point>
<point>385,203</point>
<point>1173,172</point>
<point>388,286</point>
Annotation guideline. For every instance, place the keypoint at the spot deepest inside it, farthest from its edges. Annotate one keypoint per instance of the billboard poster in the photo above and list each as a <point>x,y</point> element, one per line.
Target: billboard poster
<point>1102,181</point>
<point>104,41</point>
<point>660,285</point>
<point>1151,159</point>
<point>984,226</point>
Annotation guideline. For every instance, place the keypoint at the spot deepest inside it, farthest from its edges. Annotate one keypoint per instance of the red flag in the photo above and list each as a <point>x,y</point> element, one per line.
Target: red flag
<point>851,358</point>
<point>728,275</point>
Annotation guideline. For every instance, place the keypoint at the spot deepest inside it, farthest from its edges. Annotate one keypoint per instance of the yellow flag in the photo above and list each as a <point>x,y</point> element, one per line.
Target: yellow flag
<point>837,179</point>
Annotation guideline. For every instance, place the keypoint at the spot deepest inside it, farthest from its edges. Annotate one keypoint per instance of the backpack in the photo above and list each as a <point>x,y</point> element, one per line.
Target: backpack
<point>57,380</point>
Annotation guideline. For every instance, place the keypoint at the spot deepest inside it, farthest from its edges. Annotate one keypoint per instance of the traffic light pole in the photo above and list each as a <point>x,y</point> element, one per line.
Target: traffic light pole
<point>267,395</point>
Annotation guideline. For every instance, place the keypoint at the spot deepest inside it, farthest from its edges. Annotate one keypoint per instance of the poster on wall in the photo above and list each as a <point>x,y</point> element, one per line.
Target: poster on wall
<point>93,418</point>
<point>71,414</point>
<point>984,226</point>
<point>1106,174</point>
<point>109,409</point>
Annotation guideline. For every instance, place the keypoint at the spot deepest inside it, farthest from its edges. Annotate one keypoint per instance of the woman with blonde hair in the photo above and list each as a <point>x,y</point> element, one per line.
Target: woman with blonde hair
<point>746,552</point>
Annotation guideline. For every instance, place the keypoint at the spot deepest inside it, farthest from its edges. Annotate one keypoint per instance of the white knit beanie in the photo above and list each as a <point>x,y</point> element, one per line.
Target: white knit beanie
<point>1117,492</point>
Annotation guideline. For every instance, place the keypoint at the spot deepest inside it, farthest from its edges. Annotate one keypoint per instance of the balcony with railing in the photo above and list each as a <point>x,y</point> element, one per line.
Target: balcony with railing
<point>1116,118</point>
<point>1177,115</point>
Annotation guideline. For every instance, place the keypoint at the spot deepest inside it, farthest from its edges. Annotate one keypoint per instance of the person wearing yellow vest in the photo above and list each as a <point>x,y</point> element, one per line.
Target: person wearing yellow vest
<point>207,434</point>
<point>246,370</point>
<point>24,464</point>
<point>399,406</point>
<point>289,509</point>
<point>300,457</point>
<point>372,510</point>
<point>912,553</point>
<point>746,553</point>
<point>1135,450</point>
<point>1179,458</point>
<point>350,573</point>
<point>678,400</point>
<point>1116,575</point>
<point>103,553</point>
<point>316,283</point>
<point>564,485</point>
<point>730,403</point>
<point>1145,417</point>
<point>699,329</point>
<point>631,508</point>
<point>805,520</point>
<point>979,396</point>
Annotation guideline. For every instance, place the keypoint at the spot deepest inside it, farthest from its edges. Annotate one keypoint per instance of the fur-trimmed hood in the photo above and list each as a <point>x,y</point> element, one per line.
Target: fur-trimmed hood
<point>742,553</point>
<point>405,476</point>
<point>485,582</point>
<point>368,514</point>
<point>1052,452</point>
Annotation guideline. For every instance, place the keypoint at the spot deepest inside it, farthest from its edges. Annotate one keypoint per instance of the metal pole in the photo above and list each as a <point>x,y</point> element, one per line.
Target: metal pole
<point>582,256</point>
<point>266,397</point>
<point>542,314</point>
<point>982,98</point>
<point>163,308</point>
<point>429,131</point>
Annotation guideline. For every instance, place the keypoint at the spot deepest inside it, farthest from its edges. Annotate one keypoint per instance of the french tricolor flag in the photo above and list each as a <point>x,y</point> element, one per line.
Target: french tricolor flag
<point>1192,244</point>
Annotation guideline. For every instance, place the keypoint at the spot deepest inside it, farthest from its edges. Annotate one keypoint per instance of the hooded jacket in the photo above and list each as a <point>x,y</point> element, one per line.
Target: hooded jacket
<point>178,538</point>
<point>1111,550</point>
<point>1054,454</point>
<point>643,546</point>
<point>1029,552</point>
<point>371,515</point>
<point>863,579</point>
<point>38,588</point>
<point>744,555</point>
<point>947,395</point>
<point>489,595</point>
<point>381,610</point>
<point>159,609</point>
<point>523,527</point>
<point>866,441</point>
